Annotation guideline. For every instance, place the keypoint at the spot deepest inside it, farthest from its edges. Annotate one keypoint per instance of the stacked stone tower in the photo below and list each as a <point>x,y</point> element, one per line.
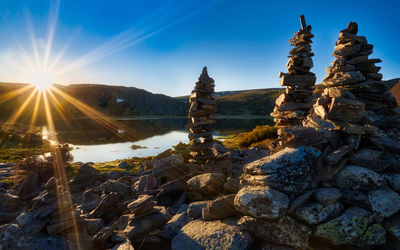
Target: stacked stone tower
<point>292,106</point>
<point>202,107</point>
<point>354,72</point>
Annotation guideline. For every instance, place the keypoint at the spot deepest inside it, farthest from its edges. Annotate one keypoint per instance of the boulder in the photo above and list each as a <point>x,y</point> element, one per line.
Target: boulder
<point>142,204</point>
<point>171,168</point>
<point>126,245</point>
<point>175,224</point>
<point>285,231</point>
<point>355,227</point>
<point>290,170</point>
<point>88,176</point>
<point>142,225</point>
<point>220,208</point>
<point>106,206</point>
<point>121,189</point>
<point>232,185</point>
<point>195,209</point>
<point>93,226</point>
<point>358,178</point>
<point>225,234</point>
<point>316,213</point>
<point>355,197</point>
<point>369,158</point>
<point>384,202</point>
<point>327,196</point>
<point>206,186</point>
<point>261,202</point>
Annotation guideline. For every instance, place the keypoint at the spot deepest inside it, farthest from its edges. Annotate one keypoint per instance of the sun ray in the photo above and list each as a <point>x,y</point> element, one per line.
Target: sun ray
<point>22,108</point>
<point>66,207</point>
<point>105,121</point>
<point>35,110</point>
<point>59,108</point>
<point>32,36</point>
<point>11,94</point>
<point>53,16</point>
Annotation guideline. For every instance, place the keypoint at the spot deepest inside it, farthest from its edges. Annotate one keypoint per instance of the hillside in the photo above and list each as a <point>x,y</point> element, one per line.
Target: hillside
<point>119,101</point>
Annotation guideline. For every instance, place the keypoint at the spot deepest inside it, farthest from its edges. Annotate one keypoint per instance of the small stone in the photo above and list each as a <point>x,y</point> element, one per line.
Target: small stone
<point>206,186</point>
<point>220,208</point>
<point>195,209</point>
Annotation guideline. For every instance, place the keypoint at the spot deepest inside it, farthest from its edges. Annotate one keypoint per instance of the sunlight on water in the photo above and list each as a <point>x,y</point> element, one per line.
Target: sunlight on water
<point>113,151</point>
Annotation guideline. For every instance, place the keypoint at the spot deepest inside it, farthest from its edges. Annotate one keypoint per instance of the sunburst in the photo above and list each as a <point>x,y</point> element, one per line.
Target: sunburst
<point>43,71</point>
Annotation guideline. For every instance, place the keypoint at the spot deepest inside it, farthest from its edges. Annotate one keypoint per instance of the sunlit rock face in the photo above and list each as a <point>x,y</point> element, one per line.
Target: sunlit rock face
<point>290,170</point>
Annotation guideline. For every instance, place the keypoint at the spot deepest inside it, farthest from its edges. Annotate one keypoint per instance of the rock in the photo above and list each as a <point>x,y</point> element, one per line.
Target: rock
<point>261,202</point>
<point>384,202</point>
<point>195,209</point>
<point>394,181</point>
<point>170,168</point>
<point>327,196</point>
<point>355,197</point>
<point>316,213</point>
<point>392,227</point>
<point>232,185</point>
<point>220,208</point>
<point>106,206</point>
<point>140,226</point>
<point>175,224</point>
<point>206,186</point>
<point>289,170</point>
<point>285,231</point>
<point>121,189</point>
<point>224,234</point>
<point>124,165</point>
<point>334,157</point>
<point>94,225</point>
<point>51,184</point>
<point>355,227</point>
<point>369,158</point>
<point>28,187</point>
<point>90,201</point>
<point>123,246</point>
<point>13,238</point>
<point>142,204</point>
<point>358,178</point>
<point>88,176</point>
<point>101,238</point>
<point>300,201</point>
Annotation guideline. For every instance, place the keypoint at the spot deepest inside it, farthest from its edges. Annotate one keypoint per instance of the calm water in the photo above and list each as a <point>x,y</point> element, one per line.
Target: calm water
<point>91,142</point>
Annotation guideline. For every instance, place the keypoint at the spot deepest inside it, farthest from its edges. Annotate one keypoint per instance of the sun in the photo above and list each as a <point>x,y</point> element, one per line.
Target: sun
<point>41,79</point>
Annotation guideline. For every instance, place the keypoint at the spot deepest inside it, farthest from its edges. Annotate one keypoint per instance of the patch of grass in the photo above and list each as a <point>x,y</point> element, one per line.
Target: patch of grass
<point>18,153</point>
<point>259,136</point>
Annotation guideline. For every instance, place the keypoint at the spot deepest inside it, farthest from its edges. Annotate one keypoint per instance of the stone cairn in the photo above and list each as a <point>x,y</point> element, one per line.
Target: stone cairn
<point>202,107</point>
<point>293,105</point>
<point>341,187</point>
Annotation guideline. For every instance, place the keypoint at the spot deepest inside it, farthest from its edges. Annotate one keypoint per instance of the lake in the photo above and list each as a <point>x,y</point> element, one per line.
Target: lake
<point>92,142</point>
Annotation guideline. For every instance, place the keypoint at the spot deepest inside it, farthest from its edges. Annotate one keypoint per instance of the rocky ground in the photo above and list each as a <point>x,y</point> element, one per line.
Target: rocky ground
<point>246,199</point>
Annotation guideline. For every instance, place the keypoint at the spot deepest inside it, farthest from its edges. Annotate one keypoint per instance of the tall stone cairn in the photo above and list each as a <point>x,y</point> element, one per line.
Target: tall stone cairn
<point>293,105</point>
<point>202,107</point>
<point>353,90</point>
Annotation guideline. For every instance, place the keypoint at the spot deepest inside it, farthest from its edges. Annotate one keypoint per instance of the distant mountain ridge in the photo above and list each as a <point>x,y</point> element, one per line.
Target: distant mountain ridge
<point>120,101</point>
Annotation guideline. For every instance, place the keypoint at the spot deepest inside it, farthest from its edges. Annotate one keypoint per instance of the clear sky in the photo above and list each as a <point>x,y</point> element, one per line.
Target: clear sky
<point>162,45</point>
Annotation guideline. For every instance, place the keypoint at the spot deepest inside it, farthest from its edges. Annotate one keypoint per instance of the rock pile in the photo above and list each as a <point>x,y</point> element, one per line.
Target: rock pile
<point>202,107</point>
<point>293,105</point>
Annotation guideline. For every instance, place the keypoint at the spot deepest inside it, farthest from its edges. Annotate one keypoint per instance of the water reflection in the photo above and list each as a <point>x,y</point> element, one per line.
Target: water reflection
<point>92,142</point>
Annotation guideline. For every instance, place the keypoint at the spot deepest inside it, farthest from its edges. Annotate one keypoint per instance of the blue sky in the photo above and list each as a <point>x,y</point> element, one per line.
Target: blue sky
<point>162,45</point>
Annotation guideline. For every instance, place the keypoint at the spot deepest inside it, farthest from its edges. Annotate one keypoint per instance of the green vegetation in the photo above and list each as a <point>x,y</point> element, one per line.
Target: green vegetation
<point>17,144</point>
<point>259,136</point>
